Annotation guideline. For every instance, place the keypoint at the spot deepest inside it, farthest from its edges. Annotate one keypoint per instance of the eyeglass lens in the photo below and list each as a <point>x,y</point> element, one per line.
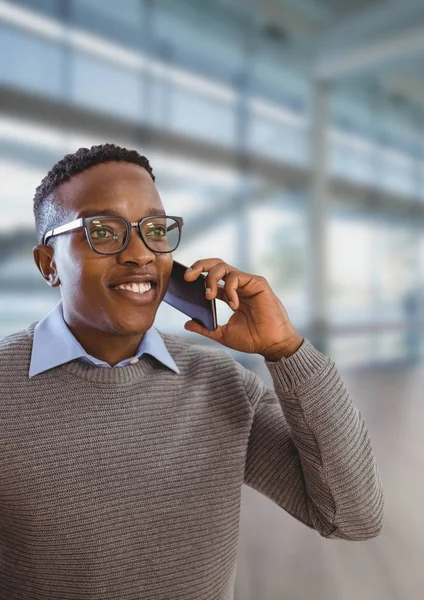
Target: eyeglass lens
<point>108,235</point>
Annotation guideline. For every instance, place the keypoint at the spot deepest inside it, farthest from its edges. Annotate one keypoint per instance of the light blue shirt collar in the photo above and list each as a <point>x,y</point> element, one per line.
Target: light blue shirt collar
<point>54,344</point>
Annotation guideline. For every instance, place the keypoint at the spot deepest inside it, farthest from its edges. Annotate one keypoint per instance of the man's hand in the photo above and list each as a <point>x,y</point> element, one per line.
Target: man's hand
<point>259,325</point>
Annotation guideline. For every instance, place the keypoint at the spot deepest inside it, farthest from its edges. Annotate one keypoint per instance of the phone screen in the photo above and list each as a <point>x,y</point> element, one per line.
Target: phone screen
<point>189,297</point>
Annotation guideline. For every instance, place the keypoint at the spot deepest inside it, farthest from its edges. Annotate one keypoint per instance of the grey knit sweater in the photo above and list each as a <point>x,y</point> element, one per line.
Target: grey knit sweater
<point>125,483</point>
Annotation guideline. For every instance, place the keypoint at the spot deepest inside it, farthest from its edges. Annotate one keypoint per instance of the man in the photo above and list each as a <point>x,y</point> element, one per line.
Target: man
<point>122,449</point>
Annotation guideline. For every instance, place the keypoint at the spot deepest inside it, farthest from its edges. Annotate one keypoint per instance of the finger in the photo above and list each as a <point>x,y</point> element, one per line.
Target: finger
<point>221,295</point>
<point>201,266</point>
<point>232,282</point>
<point>219,271</point>
<point>195,327</point>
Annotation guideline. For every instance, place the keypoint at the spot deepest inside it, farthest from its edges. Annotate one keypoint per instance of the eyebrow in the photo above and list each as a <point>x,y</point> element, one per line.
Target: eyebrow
<point>113,213</point>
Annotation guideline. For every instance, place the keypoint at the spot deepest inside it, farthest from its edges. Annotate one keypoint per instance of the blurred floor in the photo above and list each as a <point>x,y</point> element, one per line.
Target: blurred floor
<point>281,559</point>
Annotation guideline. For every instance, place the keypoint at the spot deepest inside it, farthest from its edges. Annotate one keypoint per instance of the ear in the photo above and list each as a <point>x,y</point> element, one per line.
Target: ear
<point>44,259</point>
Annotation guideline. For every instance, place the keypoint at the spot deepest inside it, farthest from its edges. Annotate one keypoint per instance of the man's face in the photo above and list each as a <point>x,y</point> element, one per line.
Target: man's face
<point>87,278</point>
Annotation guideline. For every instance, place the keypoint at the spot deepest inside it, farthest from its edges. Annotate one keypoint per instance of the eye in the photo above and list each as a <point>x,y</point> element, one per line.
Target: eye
<point>103,233</point>
<point>156,230</point>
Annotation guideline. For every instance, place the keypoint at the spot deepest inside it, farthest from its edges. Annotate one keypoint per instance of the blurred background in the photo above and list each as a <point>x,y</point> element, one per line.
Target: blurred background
<point>289,135</point>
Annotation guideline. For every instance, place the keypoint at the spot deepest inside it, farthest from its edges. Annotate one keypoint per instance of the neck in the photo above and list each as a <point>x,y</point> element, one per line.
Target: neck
<point>110,348</point>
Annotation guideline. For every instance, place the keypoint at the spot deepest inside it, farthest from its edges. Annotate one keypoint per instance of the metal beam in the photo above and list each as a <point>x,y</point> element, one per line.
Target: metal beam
<point>290,19</point>
<point>369,56</point>
<point>365,198</point>
<point>69,118</point>
<point>318,215</point>
<point>376,21</point>
<point>408,85</point>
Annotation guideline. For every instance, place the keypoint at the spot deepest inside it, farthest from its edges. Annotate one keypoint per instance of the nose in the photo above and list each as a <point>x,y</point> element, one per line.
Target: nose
<point>136,252</point>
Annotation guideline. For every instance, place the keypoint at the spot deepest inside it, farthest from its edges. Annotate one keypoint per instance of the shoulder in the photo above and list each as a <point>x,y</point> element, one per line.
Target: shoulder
<point>216,366</point>
<point>16,347</point>
<point>186,353</point>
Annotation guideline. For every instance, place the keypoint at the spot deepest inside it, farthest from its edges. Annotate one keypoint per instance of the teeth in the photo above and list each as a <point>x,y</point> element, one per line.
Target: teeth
<point>138,288</point>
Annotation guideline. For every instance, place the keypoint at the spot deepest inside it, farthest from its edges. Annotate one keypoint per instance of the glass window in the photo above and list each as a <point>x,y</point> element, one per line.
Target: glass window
<point>15,310</point>
<point>30,62</point>
<point>129,12</point>
<point>285,141</point>
<point>17,188</point>
<point>397,170</point>
<point>352,349</point>
<point>158,91</point>
<point>118,21</point>
<point>354,157</point>
<point>109,88</point>
<point>362,349</point>
<point>372,268</point>
<point>50,7</point>
<point>372,272</point>
<point>208,242</point>
<point>278,243</point>
<point>270,70</point>
<point>215,42</point>
<point>397,255</point>
<point>196,115</point>
<point>352,112</point>
<point>350,246</point>
<point>192,188</point>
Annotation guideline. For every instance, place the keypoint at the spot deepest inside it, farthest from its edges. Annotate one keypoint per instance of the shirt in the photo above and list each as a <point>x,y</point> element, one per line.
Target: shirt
<point>54,344</point>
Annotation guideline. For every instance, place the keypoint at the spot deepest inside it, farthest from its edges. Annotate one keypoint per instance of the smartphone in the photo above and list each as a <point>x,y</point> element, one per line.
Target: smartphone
<point>189,297</point>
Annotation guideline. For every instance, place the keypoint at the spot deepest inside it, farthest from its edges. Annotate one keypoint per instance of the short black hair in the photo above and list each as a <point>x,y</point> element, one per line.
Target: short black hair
<point>48,211</point>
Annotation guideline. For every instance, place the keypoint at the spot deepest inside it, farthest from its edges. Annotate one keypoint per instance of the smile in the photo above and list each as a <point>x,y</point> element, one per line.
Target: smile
<point>137,293</point>
<point>137,288</point>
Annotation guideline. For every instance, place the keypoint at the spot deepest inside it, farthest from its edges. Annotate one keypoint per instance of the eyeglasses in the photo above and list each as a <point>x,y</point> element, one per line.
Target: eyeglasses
<point>111,235</point>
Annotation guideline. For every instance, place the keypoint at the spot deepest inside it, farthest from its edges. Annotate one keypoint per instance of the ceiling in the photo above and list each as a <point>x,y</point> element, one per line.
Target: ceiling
<point>377,40</point>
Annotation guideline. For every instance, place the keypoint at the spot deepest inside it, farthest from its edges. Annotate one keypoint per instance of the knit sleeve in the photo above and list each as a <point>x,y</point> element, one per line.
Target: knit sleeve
<point>309,450</point>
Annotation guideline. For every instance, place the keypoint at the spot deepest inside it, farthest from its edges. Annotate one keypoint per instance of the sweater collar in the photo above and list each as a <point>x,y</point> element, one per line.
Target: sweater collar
<point>54,345</point>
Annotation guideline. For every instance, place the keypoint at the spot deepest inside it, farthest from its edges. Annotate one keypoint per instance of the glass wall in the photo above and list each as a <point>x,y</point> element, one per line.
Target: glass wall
<point>198,73</point>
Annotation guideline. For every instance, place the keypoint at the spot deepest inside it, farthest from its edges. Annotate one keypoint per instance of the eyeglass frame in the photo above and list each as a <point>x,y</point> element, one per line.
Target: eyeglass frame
<point>85,221</point>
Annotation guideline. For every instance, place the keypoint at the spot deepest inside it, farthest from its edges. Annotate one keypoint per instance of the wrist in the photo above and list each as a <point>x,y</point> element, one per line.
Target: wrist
<point>286,350</point>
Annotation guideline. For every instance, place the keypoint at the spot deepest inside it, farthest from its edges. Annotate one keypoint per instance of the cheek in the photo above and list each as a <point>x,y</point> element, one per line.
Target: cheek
<point>77,270</point>
<point>74,273</point>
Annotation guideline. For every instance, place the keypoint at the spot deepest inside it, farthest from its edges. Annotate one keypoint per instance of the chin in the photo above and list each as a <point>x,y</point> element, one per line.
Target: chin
<point>134,327</point>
